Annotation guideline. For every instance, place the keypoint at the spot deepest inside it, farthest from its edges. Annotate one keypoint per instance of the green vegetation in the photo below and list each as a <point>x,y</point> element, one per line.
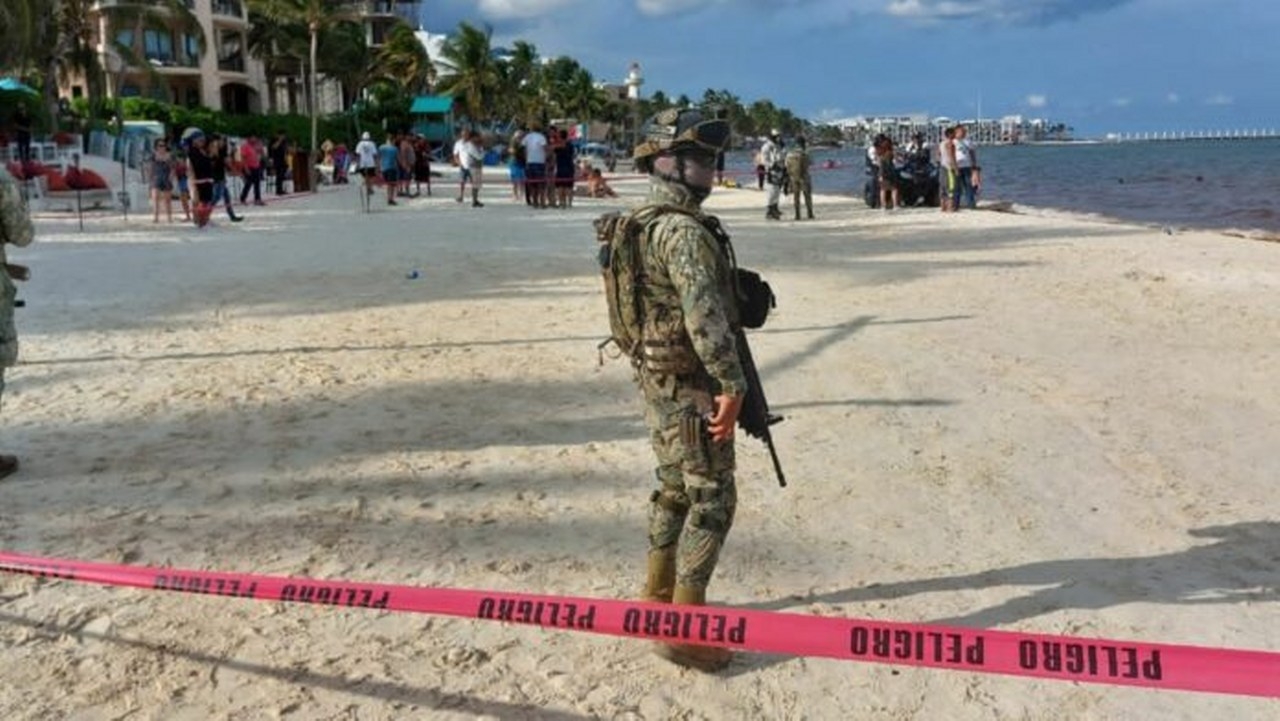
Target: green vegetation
<point>299,40</point>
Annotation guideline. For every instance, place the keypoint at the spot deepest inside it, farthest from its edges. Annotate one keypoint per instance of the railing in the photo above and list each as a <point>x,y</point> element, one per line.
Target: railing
<point>105,145</point>
<point>233,8</point>
<point>164,60</point>
<point>377,7</point>
<point>232,64</point>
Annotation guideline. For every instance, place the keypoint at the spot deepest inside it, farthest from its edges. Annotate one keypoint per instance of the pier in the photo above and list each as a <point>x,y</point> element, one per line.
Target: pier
<point>1254,134</point>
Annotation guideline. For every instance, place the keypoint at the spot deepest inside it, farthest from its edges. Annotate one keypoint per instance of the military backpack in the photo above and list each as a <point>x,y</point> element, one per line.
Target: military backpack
<point>623,238</point>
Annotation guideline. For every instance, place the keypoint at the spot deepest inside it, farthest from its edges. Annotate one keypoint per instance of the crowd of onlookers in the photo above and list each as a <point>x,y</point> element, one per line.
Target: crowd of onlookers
<point>197,170</point>
<point>545,169</point>
<point>954,157</point>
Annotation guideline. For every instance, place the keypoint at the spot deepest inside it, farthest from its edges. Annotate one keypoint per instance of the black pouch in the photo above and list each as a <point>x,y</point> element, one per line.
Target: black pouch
<point>755,298</point>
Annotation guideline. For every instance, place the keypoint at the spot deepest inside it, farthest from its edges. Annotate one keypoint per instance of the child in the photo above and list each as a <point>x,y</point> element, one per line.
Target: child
<point>597,187</point>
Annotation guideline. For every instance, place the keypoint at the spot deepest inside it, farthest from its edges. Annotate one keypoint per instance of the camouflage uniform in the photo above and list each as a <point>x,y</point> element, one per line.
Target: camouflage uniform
<point>688,307</point>
<point>797,162</point>
<point>15,228</point>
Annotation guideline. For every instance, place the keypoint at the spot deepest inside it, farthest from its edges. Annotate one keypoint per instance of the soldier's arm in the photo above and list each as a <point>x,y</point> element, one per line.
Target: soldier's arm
<point>17,224</point>
<point>692,260</point>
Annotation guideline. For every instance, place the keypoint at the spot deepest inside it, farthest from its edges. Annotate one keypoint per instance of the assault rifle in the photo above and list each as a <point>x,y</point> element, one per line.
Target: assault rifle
<point>754,418</point>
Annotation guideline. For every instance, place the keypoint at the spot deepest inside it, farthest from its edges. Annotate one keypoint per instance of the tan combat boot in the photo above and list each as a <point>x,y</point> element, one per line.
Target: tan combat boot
<point>707,659</point>
<point>660,584</point>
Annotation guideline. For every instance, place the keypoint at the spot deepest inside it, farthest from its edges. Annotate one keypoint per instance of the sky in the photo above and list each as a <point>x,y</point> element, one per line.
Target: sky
<point>1100,66</point>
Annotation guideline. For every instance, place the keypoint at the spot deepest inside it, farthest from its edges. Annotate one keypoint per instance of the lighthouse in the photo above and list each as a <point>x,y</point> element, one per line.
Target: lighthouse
<point>634,81</point>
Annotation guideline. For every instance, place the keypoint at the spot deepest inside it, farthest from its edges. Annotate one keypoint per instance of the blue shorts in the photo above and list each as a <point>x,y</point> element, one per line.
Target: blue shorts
<point>535,171</point>
<point>391,175</point>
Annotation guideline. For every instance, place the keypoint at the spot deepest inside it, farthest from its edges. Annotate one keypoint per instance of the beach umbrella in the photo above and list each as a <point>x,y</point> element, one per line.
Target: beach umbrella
<point>14,85</point>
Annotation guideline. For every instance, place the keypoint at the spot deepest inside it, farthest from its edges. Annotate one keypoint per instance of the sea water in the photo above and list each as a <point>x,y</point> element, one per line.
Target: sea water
<point>1227,185</point>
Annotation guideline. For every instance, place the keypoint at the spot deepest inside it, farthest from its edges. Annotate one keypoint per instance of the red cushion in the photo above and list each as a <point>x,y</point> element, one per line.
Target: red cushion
<point>73,178</point>
<point>55,180</point>
<point>91,180</point>
<point>32,169</point>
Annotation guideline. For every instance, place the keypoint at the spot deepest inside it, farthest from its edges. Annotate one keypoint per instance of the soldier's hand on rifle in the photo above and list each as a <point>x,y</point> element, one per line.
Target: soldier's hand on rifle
<point>725,418</point>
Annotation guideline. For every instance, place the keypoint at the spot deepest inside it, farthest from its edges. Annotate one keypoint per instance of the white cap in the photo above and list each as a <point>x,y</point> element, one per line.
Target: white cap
<point>365,135</point>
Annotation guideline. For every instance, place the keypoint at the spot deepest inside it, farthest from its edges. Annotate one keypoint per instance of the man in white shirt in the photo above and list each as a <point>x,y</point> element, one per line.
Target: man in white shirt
<point>464,172</point>
<point>367,160</point>
<point>470,154</point>
<point>535,165</point>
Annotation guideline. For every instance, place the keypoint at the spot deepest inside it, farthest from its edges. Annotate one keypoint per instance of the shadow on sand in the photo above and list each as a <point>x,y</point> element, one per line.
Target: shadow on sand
<point>1238,566</point>
<point>386,691</point>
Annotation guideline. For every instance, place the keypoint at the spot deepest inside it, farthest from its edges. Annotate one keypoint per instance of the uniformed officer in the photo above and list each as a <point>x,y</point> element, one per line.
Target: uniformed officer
<point>15,229</point>
<point>687,364</point>
<point>798,162</point>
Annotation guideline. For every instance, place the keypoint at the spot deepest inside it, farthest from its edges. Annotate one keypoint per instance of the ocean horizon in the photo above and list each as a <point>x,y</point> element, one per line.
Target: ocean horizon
<point>1230,186</point>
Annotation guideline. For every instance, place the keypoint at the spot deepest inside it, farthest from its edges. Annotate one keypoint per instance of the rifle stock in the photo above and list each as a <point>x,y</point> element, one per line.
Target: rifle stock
<point>755,418</point>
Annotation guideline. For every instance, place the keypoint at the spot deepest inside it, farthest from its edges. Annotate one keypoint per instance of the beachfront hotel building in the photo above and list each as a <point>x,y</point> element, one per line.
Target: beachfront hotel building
<point>224,76</point>
<point>1010,129</point>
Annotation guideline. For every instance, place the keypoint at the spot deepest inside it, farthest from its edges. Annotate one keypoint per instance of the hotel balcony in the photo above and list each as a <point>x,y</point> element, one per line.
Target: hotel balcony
<point>229,12</point>
<point>174,64</point>
<point>374,8</point>
<point>232,63</point>
<point>99,4</point>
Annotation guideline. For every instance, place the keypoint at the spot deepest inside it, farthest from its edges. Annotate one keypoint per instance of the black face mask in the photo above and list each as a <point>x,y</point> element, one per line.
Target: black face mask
<point>696,171</point>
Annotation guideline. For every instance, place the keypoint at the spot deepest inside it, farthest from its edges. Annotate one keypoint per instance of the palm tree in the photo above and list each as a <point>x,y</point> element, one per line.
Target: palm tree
<point>582,99</point>
<point>280,45</point>
<point>475,77</point>
<point>404,59</point>
<point>345,56</point>
<point>18,23</point>
<point>317,16</point>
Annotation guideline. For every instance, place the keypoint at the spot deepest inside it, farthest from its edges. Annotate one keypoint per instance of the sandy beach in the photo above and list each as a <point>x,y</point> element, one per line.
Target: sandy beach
<point>993,420</point>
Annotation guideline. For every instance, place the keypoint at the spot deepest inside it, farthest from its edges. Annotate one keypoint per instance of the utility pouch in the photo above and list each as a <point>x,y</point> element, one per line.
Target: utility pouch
<point>693,429</point>
<point>755,298</point>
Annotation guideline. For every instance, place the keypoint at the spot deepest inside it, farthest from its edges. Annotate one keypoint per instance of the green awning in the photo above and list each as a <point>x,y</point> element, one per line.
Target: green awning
<point>431,105</point>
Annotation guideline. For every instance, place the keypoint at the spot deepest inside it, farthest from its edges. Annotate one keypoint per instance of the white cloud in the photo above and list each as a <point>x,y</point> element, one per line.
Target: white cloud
<point>826,115</point>
<point>1037,101</point>
<point>1121,102</point>
<point>1172,98</point>
<point>1219,99</point>
<point>933,9</point>
<point>668,7</point>
<point>1009,11</point>
<point>520,9</point>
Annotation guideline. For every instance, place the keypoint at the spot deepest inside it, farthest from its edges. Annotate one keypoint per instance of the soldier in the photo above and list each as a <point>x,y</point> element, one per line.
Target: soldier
<point>775,173</point>
<point>15,228</point>
<point>686,360</point>
<point>798,173</point>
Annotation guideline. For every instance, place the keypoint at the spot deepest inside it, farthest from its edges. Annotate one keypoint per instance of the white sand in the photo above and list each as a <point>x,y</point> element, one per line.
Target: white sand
<point>994,420</point>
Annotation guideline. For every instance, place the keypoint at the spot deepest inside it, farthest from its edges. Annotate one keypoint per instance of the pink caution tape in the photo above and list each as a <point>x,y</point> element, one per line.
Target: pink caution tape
<point>1064,658</point>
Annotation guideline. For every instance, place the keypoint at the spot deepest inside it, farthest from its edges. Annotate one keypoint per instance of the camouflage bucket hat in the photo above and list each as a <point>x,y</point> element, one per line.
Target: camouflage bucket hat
<point>674,129</point>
